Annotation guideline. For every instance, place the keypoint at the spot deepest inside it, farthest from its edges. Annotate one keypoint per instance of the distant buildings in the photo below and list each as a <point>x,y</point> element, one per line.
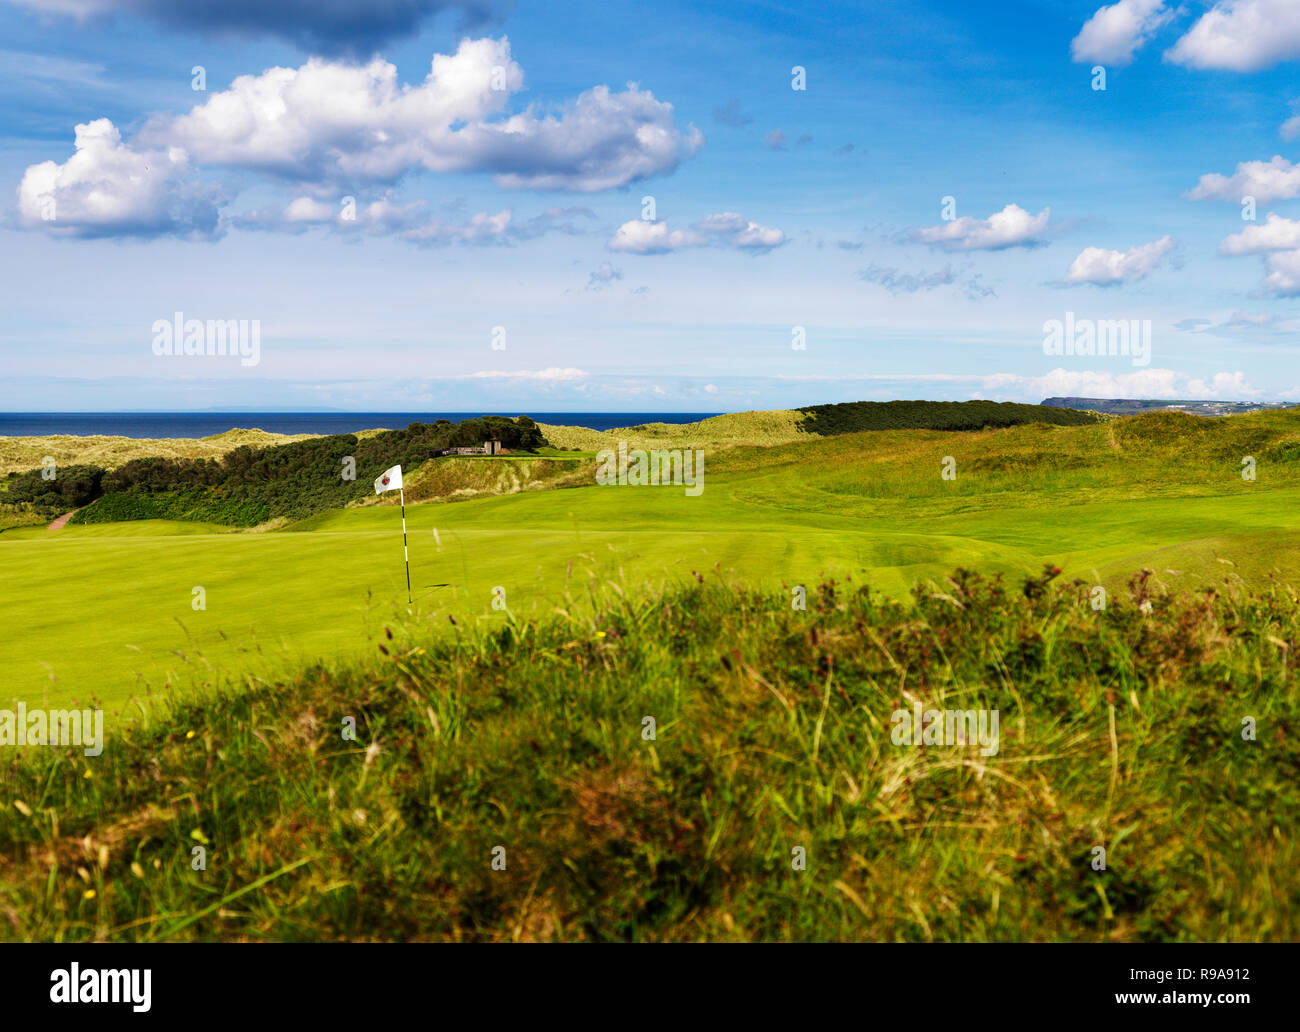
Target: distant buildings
<point>1134,406</point>
<point>486,448</point>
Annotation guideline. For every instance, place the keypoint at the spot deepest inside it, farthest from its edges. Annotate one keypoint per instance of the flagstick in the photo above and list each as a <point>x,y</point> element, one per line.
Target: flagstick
<point>405,553</point>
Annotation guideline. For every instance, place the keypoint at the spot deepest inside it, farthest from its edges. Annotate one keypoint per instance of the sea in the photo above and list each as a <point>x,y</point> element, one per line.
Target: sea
<point>205,424</point>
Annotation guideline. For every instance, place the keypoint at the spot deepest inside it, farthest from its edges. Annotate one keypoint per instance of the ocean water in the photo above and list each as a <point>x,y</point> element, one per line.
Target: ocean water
<point>205,424</point>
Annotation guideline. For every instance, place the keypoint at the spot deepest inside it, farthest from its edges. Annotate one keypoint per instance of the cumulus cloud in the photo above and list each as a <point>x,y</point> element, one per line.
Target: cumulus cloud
<point>1104,268</point>
<point>1113,33</point>
<point>343,123</point>
<point>1278,239</point>
<point>1241,36</point>
<point>331,128</point>
<point>1276,234</point>
<point>378,218</point>
<point>1010,227</point>
<point>1283,279</point>
<point>108,188</point>
<point>319,26</point>
<point>643,236</point>
<point>728,229</point>
<point>1274,180</point>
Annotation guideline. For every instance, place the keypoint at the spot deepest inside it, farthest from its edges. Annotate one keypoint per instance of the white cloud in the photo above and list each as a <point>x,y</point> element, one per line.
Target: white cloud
<point>1279,241</point>
<point>1283,279</point>
<point>1010,227</point>
<point>1277,234</point>
<point>642,236</point>
<point>109,188</point>
<point>1113,33</point>
<point>727,229</point>
<point>331,122</point>
<point>730,229</point>
<point>333,127</point>
<point>1104,268</point>
<point>308,210</point>
<point>1241,36</point>
<point>1274,180</point>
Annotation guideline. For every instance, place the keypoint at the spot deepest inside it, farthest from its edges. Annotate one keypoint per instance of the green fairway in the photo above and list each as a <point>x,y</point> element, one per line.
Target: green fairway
<point>107,611</point>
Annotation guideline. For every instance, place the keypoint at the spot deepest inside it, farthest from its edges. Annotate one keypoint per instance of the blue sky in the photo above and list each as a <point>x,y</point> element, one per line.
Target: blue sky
<point>506,190</point>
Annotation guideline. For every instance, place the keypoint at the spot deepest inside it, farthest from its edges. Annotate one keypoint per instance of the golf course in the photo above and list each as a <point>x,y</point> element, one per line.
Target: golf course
<point>106,611</point>
<point>770,623</point>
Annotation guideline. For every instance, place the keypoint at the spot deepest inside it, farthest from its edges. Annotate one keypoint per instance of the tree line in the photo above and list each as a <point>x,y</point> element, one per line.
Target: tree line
<point>248,485</point>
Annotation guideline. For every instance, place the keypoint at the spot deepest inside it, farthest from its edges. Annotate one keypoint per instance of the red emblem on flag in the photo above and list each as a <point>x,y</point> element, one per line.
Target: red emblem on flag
<point>384,480</point>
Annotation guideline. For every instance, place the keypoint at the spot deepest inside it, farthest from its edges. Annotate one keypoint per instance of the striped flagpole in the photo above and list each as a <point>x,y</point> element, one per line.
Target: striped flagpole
<point>401,491</point>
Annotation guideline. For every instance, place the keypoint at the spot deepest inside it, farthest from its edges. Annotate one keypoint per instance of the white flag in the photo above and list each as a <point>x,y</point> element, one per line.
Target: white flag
<point>390,481</point>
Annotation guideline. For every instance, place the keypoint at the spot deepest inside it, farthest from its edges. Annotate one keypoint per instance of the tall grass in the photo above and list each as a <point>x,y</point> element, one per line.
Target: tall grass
<point>1120,728</point>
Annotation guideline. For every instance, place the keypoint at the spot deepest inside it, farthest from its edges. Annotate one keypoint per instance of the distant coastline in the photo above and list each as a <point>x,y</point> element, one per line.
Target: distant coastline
<point>1136,406</point>
<point>166,425</point>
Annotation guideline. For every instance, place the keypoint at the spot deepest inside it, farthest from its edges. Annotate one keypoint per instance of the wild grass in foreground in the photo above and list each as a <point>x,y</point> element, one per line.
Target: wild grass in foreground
<point>528,743</point>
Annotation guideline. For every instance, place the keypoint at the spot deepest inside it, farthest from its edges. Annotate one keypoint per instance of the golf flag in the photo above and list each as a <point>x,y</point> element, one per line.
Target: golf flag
<point>391,480</point>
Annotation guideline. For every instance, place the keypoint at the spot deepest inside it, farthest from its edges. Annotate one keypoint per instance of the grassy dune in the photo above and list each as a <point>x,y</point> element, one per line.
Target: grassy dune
<point>456,479</point>
<point>527,742</point>
<point>23,453</point>
<point>739,428</point>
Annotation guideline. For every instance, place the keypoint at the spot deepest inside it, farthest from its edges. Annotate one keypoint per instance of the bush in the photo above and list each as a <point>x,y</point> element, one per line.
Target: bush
<point>71,488</point>
<point>855,416</point>
<point>248,485</point>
